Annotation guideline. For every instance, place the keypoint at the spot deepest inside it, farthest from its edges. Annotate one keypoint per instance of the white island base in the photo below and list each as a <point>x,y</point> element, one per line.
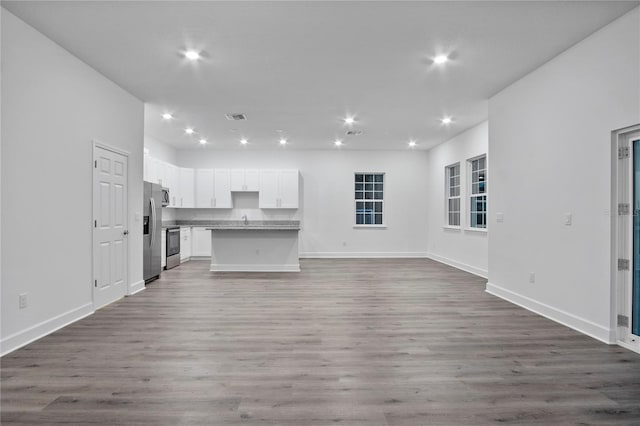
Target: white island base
<point>254,250</point>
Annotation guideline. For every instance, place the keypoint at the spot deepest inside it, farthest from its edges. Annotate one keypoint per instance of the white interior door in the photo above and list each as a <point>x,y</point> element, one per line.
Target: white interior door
<point>110,226</point>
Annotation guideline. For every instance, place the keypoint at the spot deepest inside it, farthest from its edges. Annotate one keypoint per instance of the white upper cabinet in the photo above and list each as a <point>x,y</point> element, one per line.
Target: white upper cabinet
<point>278,189</point>
<point>245,180</point>
<point>211,188</point>
<point>145,167</point>
<point>204,188</point>
<point>288,189</point>
<point>222,189</point>
<point>268,197</point>
<point>160,172</point>
<point>186,183</point>
<point>171,181</point>
<point>252,179</point>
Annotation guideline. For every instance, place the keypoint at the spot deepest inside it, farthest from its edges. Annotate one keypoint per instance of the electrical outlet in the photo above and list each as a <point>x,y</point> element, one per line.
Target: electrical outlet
<point>22,300</point>
<point>532,277</point>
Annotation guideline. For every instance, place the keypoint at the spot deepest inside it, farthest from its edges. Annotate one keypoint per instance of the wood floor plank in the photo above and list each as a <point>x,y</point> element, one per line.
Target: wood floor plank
<point>349,342</point>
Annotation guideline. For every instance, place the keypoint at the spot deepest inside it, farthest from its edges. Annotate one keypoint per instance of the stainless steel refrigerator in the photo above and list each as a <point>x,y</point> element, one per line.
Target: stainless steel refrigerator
<point>152,229</point>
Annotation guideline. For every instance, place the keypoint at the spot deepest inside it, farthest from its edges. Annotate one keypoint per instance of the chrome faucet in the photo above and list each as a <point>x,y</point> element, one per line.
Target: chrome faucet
<point>244,218</point>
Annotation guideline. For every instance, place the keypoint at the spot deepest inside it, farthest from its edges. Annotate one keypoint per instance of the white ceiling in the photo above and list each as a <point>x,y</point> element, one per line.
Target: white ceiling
<point>301,67</point>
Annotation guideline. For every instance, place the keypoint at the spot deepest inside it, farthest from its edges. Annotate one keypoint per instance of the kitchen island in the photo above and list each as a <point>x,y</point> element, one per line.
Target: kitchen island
<point>254,246</point>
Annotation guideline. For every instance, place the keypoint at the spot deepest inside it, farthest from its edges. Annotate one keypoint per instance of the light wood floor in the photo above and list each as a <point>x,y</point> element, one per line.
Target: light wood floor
<point>346,342</point>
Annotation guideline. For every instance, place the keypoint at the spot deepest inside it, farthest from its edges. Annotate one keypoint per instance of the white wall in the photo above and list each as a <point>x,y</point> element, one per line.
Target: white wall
<point>327,204</point>
<point>159,150</point>
<point>550,146</point>
<point>53,107</point>
<point>460,247</point>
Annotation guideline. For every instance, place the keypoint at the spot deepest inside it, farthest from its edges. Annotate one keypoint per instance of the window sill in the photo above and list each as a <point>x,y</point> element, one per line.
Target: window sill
<point>370,226</point>
<point>479,230</point>
<point>453,228</point>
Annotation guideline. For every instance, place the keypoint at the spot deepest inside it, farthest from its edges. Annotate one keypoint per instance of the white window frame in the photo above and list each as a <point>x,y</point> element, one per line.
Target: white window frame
<point>448,197</point>
<point>471,195</point>
<point>381,201</point>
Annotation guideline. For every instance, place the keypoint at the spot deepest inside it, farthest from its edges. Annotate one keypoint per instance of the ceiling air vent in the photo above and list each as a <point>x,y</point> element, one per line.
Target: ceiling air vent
<point>235,116</point>
<point>354,132</point>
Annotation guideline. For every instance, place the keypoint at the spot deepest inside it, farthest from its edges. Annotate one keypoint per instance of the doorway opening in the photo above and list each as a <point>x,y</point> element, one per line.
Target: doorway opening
<point>626,236</point>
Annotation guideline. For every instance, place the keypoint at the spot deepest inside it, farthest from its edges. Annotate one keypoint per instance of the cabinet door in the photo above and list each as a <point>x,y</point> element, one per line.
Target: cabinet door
<point>160,176</point>
<point>237,179</point>
<point>252,180</point>
<point>171,174</point>
<point>204,188</point>
<point>186,187</point>
<point>268,197</point>
<point>222,189</point>
<point>288,189</point>
<point>145,167</point>
<point>200,242</point>
<point>185,243</point>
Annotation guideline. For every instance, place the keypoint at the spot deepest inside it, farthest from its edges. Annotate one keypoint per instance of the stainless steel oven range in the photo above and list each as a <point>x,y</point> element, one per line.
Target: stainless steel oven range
<point>173,247</point>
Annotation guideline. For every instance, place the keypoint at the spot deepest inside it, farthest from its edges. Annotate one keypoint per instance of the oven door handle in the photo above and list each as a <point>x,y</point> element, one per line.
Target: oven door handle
<point>173,230</point>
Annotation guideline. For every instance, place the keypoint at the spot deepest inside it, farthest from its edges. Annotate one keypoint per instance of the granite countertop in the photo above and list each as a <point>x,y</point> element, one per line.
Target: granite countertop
<point>284,225</point>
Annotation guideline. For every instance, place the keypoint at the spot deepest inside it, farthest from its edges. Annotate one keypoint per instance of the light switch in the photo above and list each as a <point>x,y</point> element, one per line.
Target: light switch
<point>499,217</point>
<point>136,216</point>
<point>567,219</point>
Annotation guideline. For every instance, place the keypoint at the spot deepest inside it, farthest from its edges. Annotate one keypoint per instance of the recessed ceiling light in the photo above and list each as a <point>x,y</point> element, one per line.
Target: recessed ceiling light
<point>243,141</point>
<point>338,142</point>
<point>203,141</point>
<point>167,116</point>
<point>440,59</point>
<point>192,55</point>
<point>188,131</point>
<point>446,120</point>
<point>412,143</point>
<point>283,141</point>
<point>349,120</point>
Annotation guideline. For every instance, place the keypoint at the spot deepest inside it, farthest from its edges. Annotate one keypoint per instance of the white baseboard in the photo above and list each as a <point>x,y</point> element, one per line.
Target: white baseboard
<point>633,348</point>
<point>200,258</point>
<point>459,265</point>
<point>136,288</point>
<point>360,255</point>
<point>582,325</point>
<point>255,268</point>
<point>31,334</point>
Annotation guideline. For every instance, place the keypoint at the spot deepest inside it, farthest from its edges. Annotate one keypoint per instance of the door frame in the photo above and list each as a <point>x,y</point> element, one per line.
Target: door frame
<point>97,144</point>
<point>621,240</point>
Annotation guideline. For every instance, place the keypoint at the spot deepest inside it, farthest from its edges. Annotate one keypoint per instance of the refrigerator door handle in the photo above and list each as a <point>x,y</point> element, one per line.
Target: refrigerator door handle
<point>152,219</point>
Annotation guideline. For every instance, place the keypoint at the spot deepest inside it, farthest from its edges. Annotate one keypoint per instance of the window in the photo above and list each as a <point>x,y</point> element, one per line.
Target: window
<point>478,197</point>
<point>369,190</point>
<point>452,191</point>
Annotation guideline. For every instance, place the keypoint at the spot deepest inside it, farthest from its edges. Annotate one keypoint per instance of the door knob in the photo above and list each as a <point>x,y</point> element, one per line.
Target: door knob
<point>125,232</point>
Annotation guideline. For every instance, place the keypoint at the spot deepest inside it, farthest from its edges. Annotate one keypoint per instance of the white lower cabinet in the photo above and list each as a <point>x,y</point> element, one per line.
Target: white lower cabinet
<point>200,242</point>
<point>185,243</point>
